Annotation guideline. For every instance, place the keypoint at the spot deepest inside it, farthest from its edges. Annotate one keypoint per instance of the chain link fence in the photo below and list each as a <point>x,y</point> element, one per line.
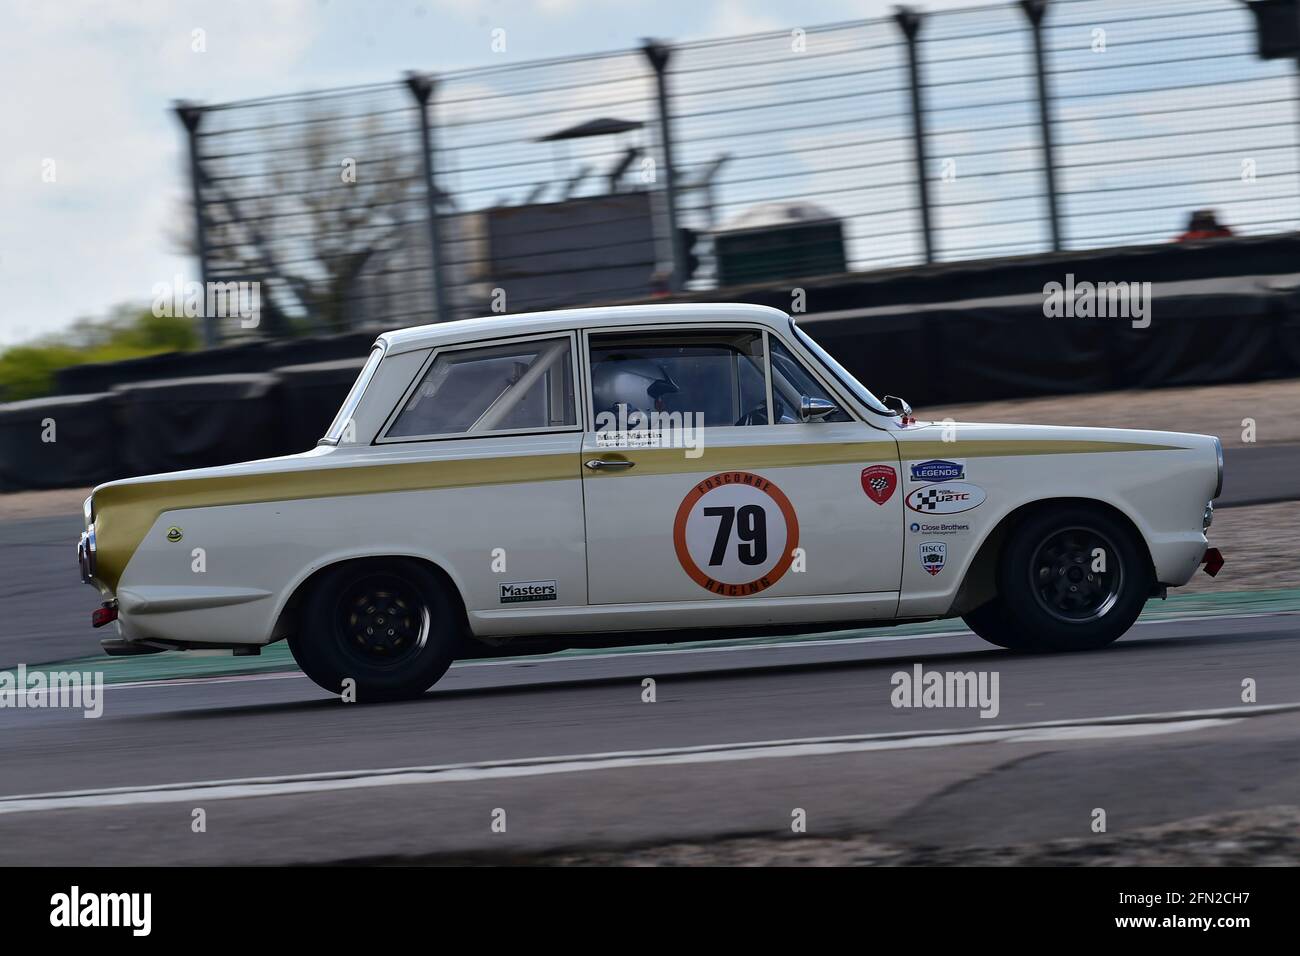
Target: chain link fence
<point>1013,129</point>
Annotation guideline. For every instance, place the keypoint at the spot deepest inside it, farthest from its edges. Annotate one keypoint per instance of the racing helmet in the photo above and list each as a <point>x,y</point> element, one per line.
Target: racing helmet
<point>630,380</point>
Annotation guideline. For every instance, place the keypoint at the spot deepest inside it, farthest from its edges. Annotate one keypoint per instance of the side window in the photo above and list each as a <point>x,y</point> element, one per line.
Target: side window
<point>718,375</point>
<point>520,386</point>
<point>791,382</point>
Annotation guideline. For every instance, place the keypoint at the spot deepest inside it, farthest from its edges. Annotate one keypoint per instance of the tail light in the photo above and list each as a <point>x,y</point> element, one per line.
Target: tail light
<point>103,615</point>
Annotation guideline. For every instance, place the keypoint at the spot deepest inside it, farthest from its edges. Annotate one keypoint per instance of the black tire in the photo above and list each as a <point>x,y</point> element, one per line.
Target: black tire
<point>990,622</point>
<point>1052,593</point>
<point>391,626</point>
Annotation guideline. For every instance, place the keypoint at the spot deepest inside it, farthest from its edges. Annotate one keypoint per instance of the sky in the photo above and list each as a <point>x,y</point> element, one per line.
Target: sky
<point>89,86</point>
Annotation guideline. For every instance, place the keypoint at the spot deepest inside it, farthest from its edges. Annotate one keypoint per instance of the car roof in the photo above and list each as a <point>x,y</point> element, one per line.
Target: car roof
<point>526,323</point>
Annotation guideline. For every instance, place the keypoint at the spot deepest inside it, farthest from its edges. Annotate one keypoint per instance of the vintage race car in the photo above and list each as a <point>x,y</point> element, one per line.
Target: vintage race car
<point>645,474</point>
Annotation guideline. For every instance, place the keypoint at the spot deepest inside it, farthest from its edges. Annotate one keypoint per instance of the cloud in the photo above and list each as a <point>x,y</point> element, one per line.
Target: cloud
<point>88,86</point>
<point>738,16</point>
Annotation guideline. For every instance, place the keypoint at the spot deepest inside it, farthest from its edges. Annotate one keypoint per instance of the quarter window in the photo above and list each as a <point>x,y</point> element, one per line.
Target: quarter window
<point>520,386</point>
<point>791,382</point>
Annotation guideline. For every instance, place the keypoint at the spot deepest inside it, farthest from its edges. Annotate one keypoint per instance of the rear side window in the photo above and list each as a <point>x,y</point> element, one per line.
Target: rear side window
<point>516,387</point>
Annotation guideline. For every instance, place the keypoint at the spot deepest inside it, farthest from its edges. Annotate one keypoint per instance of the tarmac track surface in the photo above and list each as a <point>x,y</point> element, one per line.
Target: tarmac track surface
<point>736,739</point>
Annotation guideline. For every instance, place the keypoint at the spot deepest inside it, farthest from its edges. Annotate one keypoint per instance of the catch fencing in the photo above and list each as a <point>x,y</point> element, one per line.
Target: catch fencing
<point>996,131</point>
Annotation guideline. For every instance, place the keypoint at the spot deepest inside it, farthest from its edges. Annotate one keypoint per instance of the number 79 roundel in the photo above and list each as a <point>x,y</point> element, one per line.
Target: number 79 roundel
<point>735,534</point>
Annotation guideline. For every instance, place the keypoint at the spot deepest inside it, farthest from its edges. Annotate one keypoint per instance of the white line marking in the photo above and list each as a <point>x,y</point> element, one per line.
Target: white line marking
<point>214,679</point>
<point>1131,725</point>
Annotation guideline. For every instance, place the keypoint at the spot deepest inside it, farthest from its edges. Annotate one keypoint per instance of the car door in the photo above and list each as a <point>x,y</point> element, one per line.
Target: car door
<point>494,426</point>
<point>702,481</point>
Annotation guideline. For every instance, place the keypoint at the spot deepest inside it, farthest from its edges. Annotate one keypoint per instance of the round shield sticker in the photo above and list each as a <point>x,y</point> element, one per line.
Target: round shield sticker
<point>735,534</point>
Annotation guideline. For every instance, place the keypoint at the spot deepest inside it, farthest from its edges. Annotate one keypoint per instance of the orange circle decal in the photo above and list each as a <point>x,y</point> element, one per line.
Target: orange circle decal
<point>735,534</point>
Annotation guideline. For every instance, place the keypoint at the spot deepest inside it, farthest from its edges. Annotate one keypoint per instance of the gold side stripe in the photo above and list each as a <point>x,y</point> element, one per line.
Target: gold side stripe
<point>1010,448</point>
<point>127,512</point>
<point>671,461</point>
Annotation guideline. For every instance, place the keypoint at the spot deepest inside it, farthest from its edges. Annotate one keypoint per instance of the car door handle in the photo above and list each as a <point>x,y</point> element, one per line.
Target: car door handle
<point>613,464</point>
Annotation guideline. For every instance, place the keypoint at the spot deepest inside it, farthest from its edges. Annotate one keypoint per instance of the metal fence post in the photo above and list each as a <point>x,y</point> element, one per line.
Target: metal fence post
<point>422,86</point>
<point>1297,51</point>
<point>909,21</point>
<point>190,116</point>
<point>658,53</point>
<point>1035,10</point>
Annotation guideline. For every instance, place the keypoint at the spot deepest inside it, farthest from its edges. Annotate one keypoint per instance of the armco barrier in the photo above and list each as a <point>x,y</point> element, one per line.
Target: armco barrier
<point>996,343</point>
<point>148,427</point>
<point>194,422</point>
<point>61,442</point>
<point>261,356</point>
<point>310,395</point>
<point>1006,348</point>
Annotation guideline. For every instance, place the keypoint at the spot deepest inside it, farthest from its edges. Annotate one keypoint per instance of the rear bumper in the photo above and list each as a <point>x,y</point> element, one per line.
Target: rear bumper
<point>86,556</point>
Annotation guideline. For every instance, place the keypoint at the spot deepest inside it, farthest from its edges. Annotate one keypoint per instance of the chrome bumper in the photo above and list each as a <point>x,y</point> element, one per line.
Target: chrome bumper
<point>86,556</point>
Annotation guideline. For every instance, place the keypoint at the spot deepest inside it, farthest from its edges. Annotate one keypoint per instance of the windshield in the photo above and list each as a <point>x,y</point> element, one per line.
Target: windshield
<point>860,392</point>
<point>349,407</point>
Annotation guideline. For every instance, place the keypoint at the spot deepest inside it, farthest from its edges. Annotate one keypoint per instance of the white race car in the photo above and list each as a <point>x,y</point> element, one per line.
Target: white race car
<point>639,475</point>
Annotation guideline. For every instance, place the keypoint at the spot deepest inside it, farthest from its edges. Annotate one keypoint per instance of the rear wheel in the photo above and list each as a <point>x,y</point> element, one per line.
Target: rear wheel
<point>390,627</point>
<point>1069,579</point>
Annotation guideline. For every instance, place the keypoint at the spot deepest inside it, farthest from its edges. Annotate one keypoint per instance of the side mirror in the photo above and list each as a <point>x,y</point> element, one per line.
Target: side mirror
<point>898,406</point>
<point>815,409</point>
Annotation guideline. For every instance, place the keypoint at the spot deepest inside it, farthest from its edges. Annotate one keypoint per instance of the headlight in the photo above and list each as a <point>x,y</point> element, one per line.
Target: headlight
<point>1218,454</point>
<point>88,510</point>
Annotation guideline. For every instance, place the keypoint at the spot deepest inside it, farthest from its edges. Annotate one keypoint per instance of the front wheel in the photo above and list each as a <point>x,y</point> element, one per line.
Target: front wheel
<point>1069,579</point>
<point>990,622</point>
<point>389,627</point>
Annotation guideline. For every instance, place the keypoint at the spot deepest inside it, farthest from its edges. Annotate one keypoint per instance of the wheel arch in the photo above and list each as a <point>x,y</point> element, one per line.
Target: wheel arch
<point>979,586</point>
<point>287,618</point>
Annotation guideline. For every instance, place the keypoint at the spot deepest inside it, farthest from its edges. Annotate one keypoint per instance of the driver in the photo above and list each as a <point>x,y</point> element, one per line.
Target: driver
<point>624,384</point>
